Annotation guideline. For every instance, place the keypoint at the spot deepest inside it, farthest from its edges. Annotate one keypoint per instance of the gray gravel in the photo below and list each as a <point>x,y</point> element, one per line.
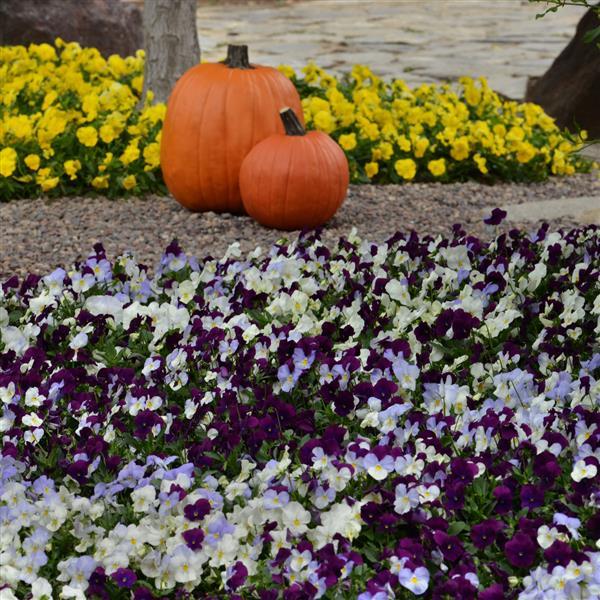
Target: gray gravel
<point>39,235</point>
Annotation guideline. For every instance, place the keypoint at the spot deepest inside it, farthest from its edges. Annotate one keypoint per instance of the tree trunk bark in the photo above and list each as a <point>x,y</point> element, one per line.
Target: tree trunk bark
<point>171,44</point>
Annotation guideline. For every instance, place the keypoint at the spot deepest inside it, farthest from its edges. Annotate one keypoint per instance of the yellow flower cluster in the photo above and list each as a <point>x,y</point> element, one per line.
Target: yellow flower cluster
<point>392,133</point>
<point>69,123</point>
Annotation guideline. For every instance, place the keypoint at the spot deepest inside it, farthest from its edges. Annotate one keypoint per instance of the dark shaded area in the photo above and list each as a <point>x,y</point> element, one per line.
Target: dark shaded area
<point>569,91</point>
<point>112,26</point>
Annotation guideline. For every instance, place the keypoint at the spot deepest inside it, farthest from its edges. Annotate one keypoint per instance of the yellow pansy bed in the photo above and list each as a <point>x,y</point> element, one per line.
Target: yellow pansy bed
<point>70,123</point>
<point>392,133</point>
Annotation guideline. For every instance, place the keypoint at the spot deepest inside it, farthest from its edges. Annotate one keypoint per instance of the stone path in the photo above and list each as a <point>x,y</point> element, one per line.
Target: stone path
<point>418,40</point>
<point>583,209</point>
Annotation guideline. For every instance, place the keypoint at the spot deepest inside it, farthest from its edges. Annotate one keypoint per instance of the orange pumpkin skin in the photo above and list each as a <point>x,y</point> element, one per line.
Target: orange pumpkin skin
<point>294,181</point>
<point>215,115</point>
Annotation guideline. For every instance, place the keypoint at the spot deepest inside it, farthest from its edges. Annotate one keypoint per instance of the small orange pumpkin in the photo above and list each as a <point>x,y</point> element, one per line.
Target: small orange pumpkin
<point>294,181</point>
<point>215,115</point>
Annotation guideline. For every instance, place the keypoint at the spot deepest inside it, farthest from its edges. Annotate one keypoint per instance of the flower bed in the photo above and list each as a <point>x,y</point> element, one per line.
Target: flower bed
<point>392,133</point>
<point>70,125</point>
<point>418,417</point>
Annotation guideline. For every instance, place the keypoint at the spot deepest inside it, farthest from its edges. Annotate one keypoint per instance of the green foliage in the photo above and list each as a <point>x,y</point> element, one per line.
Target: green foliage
<point>593,35</point>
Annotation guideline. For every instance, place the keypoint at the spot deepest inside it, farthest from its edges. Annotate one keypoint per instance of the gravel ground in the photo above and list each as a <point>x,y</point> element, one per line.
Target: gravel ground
<point>39,235</point>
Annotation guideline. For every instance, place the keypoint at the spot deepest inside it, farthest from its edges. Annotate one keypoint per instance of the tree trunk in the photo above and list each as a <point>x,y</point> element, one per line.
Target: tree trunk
<point>171,44</point>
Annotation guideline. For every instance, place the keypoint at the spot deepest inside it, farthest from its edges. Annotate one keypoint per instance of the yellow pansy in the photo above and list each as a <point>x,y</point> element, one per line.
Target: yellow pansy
<point>515,134</point>
<point>45,181</point>
<point>472,95</point>
<point>311,72</point>
<point>107,133</point>
<point>154,114</point>
<point>100,182</point>
<point>49,184</point>
<point>460,148</point>
<point>90,106</point>
<point>370,131</point>
<point>385,150</point>
<point>286,70</point>
<point>19,126</point>
<point>371,169</point>
<point>108,157</point>
<point>71,168</point>
<point>8,161</point>
<point>131,153</point>
<point>525,152</point>
<point>129,182</point>
<point>481,163</point>
<point>117,65</point>
<point>347,141</point>
<point>499,129</point>
<point>404,143</point>
<point>324,121</point>
<point>49,99</point>
<point>44,52</point>
<point>32,161</point>
<point>317,105</point>
<point>437,167</point>
<point>152,155</point>
<point>406,168</point>
<point>421,146</point>
<point>137,83</point>
<point>88,136</point>
<point>327,81</point>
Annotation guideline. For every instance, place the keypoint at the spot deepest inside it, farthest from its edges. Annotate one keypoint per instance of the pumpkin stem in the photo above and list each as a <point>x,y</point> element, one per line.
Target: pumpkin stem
<point>291,122</point>
<point>237,57</point>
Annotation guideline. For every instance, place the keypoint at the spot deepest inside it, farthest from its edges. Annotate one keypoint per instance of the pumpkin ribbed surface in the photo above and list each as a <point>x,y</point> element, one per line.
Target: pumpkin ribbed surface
<point>294,181</point>
<point>216,114</point>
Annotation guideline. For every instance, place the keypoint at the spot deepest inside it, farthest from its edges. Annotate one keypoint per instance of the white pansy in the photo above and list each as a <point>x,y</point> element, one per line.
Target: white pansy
<point>295,517</point>
<point>14,339</point>
<point>428,493</point>
<point>31,420</point>
<point>186,290</point>
<point>456,257</point>
<point>41,302</point>
<point>185,565</point>
<point>105,305</point>
<point>535,277</point>
<point>546,536</point>
<point>79,341</point>
<point>143,498</point>
<point>581,470</point>
<point>8,393</point>
<point>250,333</point>
<point>115,561</point>
<point>33,437</point>
<point>41,587</point>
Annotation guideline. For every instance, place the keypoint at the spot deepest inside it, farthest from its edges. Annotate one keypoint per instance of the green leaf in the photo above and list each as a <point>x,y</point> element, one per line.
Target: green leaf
<point>456,527</point>
<point>592,35</point>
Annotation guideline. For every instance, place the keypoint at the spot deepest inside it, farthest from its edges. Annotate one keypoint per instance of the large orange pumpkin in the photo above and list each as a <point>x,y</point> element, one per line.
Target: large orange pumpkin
<point>294,181</point>
<point>215,115</point>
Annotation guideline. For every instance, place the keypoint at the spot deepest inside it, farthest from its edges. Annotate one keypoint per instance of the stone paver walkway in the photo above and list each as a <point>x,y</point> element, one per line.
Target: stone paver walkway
<point>582,209</point>
<point>418,40</point>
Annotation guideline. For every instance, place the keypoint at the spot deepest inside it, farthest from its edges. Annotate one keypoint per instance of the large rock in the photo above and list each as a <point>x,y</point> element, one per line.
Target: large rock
<point>570,88</point>
<point>112,26</point>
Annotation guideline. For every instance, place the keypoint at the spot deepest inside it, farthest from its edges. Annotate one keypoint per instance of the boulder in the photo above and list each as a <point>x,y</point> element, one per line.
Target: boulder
<point>112,26</point>
<point>569,91</point>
